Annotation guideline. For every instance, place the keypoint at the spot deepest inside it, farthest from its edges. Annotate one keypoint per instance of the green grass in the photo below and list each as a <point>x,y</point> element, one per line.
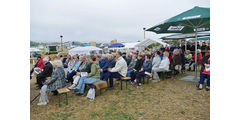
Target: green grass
<point>60,116</point>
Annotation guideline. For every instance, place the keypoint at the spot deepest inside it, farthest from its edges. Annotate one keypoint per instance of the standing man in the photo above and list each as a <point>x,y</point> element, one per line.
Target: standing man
<point>120,69</point>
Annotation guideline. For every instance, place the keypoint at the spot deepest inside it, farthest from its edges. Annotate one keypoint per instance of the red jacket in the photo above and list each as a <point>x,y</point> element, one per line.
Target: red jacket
<point>40,64</point>
<point>199,57</point>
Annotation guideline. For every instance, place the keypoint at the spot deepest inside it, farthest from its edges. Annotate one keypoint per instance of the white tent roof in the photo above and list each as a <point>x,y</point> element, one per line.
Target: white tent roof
<point>83,50</point>
<point>148,42</point>
<point>32,50</point>
<point>130,45</point>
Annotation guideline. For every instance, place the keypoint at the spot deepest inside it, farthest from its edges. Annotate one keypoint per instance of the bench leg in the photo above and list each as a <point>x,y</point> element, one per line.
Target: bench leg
<point>66,99</point>
<point>126,84</point>
<point>121,84</point>
<point>100,91</point>
<point>59,100</point>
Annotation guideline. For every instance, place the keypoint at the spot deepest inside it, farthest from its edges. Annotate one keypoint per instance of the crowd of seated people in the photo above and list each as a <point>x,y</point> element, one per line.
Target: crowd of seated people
<point>87,69</point>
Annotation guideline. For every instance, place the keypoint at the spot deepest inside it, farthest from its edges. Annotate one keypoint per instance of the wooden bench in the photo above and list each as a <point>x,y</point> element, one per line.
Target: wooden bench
<point>124,79</point>
<point>147,78</point>
<point>62,91</point>
<point>100,85</point>
<point>165,72</point>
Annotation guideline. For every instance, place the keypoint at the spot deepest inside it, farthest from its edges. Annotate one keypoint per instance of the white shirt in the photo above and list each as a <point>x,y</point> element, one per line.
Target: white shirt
<point>165,63</point>
<point>120,67</point>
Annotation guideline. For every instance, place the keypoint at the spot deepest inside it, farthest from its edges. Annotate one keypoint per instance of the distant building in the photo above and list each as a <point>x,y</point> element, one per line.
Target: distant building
<point>113,41</point>
<point>92,44</point>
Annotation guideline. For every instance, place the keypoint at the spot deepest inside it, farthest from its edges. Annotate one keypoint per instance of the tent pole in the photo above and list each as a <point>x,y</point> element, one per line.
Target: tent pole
<point>196,52</point>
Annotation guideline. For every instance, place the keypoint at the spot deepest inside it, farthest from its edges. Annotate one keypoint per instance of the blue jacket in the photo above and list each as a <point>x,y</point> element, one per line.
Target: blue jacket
<point>103,63</point>
<point>110,64</point>
<point>147,66</point>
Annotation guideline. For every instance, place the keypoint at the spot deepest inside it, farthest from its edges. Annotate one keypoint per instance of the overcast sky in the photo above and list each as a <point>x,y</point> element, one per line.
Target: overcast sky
<point>102,20</point>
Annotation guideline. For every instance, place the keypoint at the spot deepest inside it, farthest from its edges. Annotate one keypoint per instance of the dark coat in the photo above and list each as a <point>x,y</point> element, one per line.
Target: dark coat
<point>57,80</point>
<point>47,70</point>
<point>177,60</point>
<point>147,66</point>
<point>110,64</point>
<point>138,65</point>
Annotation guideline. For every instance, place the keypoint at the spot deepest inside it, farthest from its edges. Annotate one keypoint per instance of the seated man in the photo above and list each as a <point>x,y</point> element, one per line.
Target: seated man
<point>47,72</point>
<point>37,67</point>
<point>102,64</point>
<point>104,70</point>
<point>92,77</point>
<point>131,66</point>
<point>176,61</point>
<point>120,69</point>
<point>164,65</point>
<point>73,72</point>
<point>145,70</point>
<point>205,73</point>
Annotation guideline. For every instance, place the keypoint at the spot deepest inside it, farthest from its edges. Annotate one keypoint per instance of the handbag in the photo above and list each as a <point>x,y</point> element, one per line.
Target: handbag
<point>91,93</point>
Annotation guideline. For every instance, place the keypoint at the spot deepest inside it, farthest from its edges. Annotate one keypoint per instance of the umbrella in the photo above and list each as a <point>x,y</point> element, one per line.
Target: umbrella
<point>184,36</point>
<point>116,45</point>
<point>34,50</point>
<point>191,21</point>
<point>199,38</point>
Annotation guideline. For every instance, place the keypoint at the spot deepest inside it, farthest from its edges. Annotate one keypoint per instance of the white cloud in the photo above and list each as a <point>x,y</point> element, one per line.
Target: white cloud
<point>102,20</point>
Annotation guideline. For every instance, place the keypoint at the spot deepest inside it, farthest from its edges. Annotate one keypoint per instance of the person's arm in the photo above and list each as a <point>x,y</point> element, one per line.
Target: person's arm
<point>93,70</point>
<point>53,78</point>
<point>118,67</point>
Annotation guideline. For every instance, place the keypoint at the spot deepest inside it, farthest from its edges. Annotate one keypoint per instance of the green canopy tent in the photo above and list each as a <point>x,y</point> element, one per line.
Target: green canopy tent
<point>184,36</point>
<point>194,20</point>
<point>199,38</point>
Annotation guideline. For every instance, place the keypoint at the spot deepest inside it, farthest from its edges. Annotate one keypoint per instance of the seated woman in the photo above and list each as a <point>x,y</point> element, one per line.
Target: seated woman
<point>156,61</point>
<point>205,73</point>
<point>77,76</point>
<point>136,69</point>
<point>164,65</point>
<point>131,66</point>
<point>92,77</point>
<point>176,61</point>
<point>199,59</point>
<point>37,68</point>
<point>145,70</point>
<point>56,81</point>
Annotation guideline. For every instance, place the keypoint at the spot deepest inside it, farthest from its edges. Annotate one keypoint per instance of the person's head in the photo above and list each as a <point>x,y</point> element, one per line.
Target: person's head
<point>203,43</point>
<point>97,57</point>
<point>57,64</point>
<point>133,57</point>
<point>61,56</point>
<point>92,59</point>
<point>110,56</point>
<point>157,53</point>
<point>140,57</point>
<point>103,56</point>
<point>45,59</point>
<point>166,54</point>
<point>147,57</point>
<point>198,51</point>
<point>187,51</point>
<point>124,54</point>
<point>183,42</point>
<point>118,54</point>
<point>83,59</point>
<point>39,57</point>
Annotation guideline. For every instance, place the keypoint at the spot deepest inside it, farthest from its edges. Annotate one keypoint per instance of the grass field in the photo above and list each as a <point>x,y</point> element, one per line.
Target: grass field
<point>169,99</point>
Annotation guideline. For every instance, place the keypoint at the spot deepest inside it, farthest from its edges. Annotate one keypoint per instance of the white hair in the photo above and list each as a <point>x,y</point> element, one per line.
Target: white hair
<point>58,63</point>
<point>110,55</point>
<point>46,59</point>
<point>198,50</point>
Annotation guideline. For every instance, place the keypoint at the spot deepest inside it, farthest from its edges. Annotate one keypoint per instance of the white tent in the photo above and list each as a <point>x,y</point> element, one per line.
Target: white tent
<point>143,44</point>
<point>35,50</point>
<point>84,50</point>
